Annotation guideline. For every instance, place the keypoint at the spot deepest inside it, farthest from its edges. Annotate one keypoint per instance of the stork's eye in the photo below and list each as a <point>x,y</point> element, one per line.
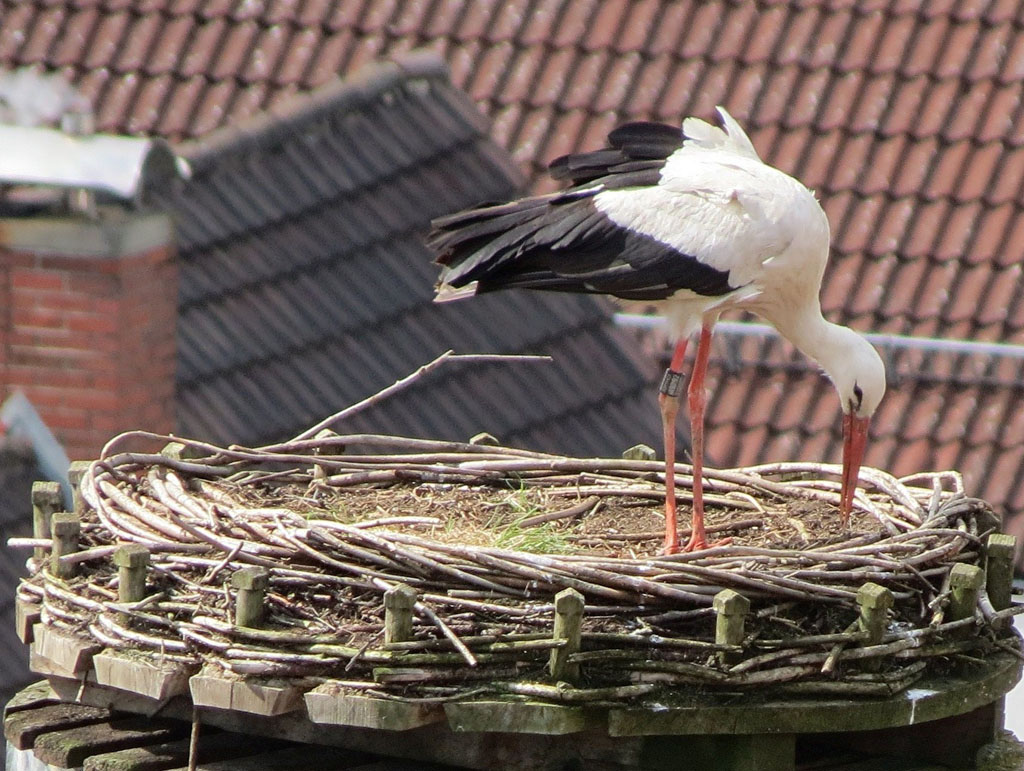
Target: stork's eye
<point>858,395</point>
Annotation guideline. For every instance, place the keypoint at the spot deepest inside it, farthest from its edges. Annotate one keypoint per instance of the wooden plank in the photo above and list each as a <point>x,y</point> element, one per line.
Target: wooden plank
<point>66,653</point>
<point>21,729</point>
<point>532,717</point>
<point>26,616</point>
<point>435,743</point>
<point>929,699</point>
<point>69,748</point>
<point>88,692</point>
<point>36,695</point>
<point>146,676</point>
<point>328,704</point>
<point>212,747</point>
<point>245,696</point>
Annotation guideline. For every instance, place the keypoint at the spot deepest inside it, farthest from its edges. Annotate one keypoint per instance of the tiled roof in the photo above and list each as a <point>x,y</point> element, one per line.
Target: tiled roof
<point>906,117</point>
<point>305,285</point>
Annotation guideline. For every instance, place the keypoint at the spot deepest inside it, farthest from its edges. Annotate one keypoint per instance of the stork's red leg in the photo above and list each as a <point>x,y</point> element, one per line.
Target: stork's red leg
<point>668,399</point>
<point>697,402</point>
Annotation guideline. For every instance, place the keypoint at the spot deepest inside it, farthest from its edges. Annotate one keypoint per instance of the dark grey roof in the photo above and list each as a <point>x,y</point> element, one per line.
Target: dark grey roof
<point>305,285</point>
<point>17,472</point>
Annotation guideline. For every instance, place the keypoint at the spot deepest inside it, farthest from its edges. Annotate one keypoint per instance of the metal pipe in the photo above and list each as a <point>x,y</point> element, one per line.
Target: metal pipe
<point>882,340</point>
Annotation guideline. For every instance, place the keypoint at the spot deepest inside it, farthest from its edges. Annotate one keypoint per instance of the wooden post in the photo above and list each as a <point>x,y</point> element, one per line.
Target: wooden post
<point>965,581</point>
<point>874,601</point>
<point>640,452</point>
<point>251,584</point>
<point>46,499</point>
<point>131,560</point>
<point>398,605</point>
<point>174,450</point>
<point>999,551</point>
<point>76,471</point>
<point>568,626</point>
<point>65,529</point>
<point>731,610</point>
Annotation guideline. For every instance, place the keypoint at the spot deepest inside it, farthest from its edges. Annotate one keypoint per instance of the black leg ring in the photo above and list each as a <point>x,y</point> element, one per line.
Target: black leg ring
<point>672,383</point>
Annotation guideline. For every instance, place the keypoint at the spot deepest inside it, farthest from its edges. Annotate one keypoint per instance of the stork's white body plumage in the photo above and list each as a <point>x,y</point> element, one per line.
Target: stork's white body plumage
<point>694,226</point>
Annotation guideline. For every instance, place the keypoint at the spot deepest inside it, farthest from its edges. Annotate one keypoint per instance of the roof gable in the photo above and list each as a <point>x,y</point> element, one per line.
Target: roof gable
<point>305,284</point>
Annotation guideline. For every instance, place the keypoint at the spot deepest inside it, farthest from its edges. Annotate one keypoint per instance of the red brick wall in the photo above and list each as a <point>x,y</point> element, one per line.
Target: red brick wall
<point>89,338</point>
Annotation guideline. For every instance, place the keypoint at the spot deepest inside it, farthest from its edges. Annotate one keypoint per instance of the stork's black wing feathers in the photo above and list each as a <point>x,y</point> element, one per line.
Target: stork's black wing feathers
<point>641,145</point>
<point>563,242</point>
<point>567,244</point>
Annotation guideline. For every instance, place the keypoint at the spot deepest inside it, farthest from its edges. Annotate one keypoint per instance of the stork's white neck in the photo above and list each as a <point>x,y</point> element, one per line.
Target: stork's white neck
<point>848,359</point>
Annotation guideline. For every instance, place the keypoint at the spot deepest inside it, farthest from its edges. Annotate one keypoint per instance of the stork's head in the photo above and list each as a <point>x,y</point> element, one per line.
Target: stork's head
<point>859,377</point>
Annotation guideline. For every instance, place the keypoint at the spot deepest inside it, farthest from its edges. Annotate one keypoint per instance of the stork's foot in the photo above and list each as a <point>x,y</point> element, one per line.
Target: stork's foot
<point>699,544</point>
<point>671,546</point>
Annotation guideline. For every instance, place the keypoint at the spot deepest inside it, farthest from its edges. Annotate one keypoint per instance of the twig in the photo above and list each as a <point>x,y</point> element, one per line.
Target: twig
<point>408,380</point>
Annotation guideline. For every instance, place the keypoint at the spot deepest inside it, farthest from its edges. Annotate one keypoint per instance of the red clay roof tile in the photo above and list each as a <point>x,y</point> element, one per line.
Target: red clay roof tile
<point>118,96</point>
<point>704,26</point>
<point>215,9</point>
<point>180,106</point>
<point>377,15</point>
<point>233,50</point>
<point>892,227</point>
<point>957,231</point>
<point>213,105</point>
<point>649,84</point>
<point>75,38</point>
<point>806,102</point>
<point>940,100</point>
<point>777,37</point>
<point>926,46</point>
<point>957,51</point>
<point>491,69</point>
<point>148,105</point>
<point>991,50</point>
<point>616,84</point>
<point>991,235</point>
<point>346,15</point>
<point>138,46</point>
<point>964,120</point>
<point>905,105</point>
<point>1000,113</point>
<point>268,50</point>
<point>670,31</point>
<point>734,34</point>
<point>638,27</point>
<point>998,295</point>
<point>680,89</point>
<point>166,52</point>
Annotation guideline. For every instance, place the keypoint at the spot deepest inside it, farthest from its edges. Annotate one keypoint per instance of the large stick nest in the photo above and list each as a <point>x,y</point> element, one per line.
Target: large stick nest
<point>486,536</point>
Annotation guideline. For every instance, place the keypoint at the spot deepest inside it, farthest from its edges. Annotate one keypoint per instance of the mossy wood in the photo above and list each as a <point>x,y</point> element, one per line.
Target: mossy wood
<point>705,736</point>
<point>244,695</point>
<point>147,676</point>
<point>46,499</point>
<point>329,703</point>
<point>67,653</point>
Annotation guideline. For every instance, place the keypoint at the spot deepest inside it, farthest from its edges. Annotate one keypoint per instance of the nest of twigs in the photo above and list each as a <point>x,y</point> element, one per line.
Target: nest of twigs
<point>486,536</point>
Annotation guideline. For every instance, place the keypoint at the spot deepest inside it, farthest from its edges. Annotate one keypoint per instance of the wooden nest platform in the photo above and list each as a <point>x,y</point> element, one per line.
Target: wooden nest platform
<point>424,572</point>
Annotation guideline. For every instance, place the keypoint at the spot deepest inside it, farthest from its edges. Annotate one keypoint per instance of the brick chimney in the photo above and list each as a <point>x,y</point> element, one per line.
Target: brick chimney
<point>87,323</point>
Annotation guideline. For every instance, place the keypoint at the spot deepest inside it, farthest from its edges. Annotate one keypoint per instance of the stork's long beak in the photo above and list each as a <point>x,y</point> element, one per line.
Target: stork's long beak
<point>855,437</point>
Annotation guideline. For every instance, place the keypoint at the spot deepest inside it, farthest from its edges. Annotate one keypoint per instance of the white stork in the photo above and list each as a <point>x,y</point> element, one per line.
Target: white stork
<point>695,223</point>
